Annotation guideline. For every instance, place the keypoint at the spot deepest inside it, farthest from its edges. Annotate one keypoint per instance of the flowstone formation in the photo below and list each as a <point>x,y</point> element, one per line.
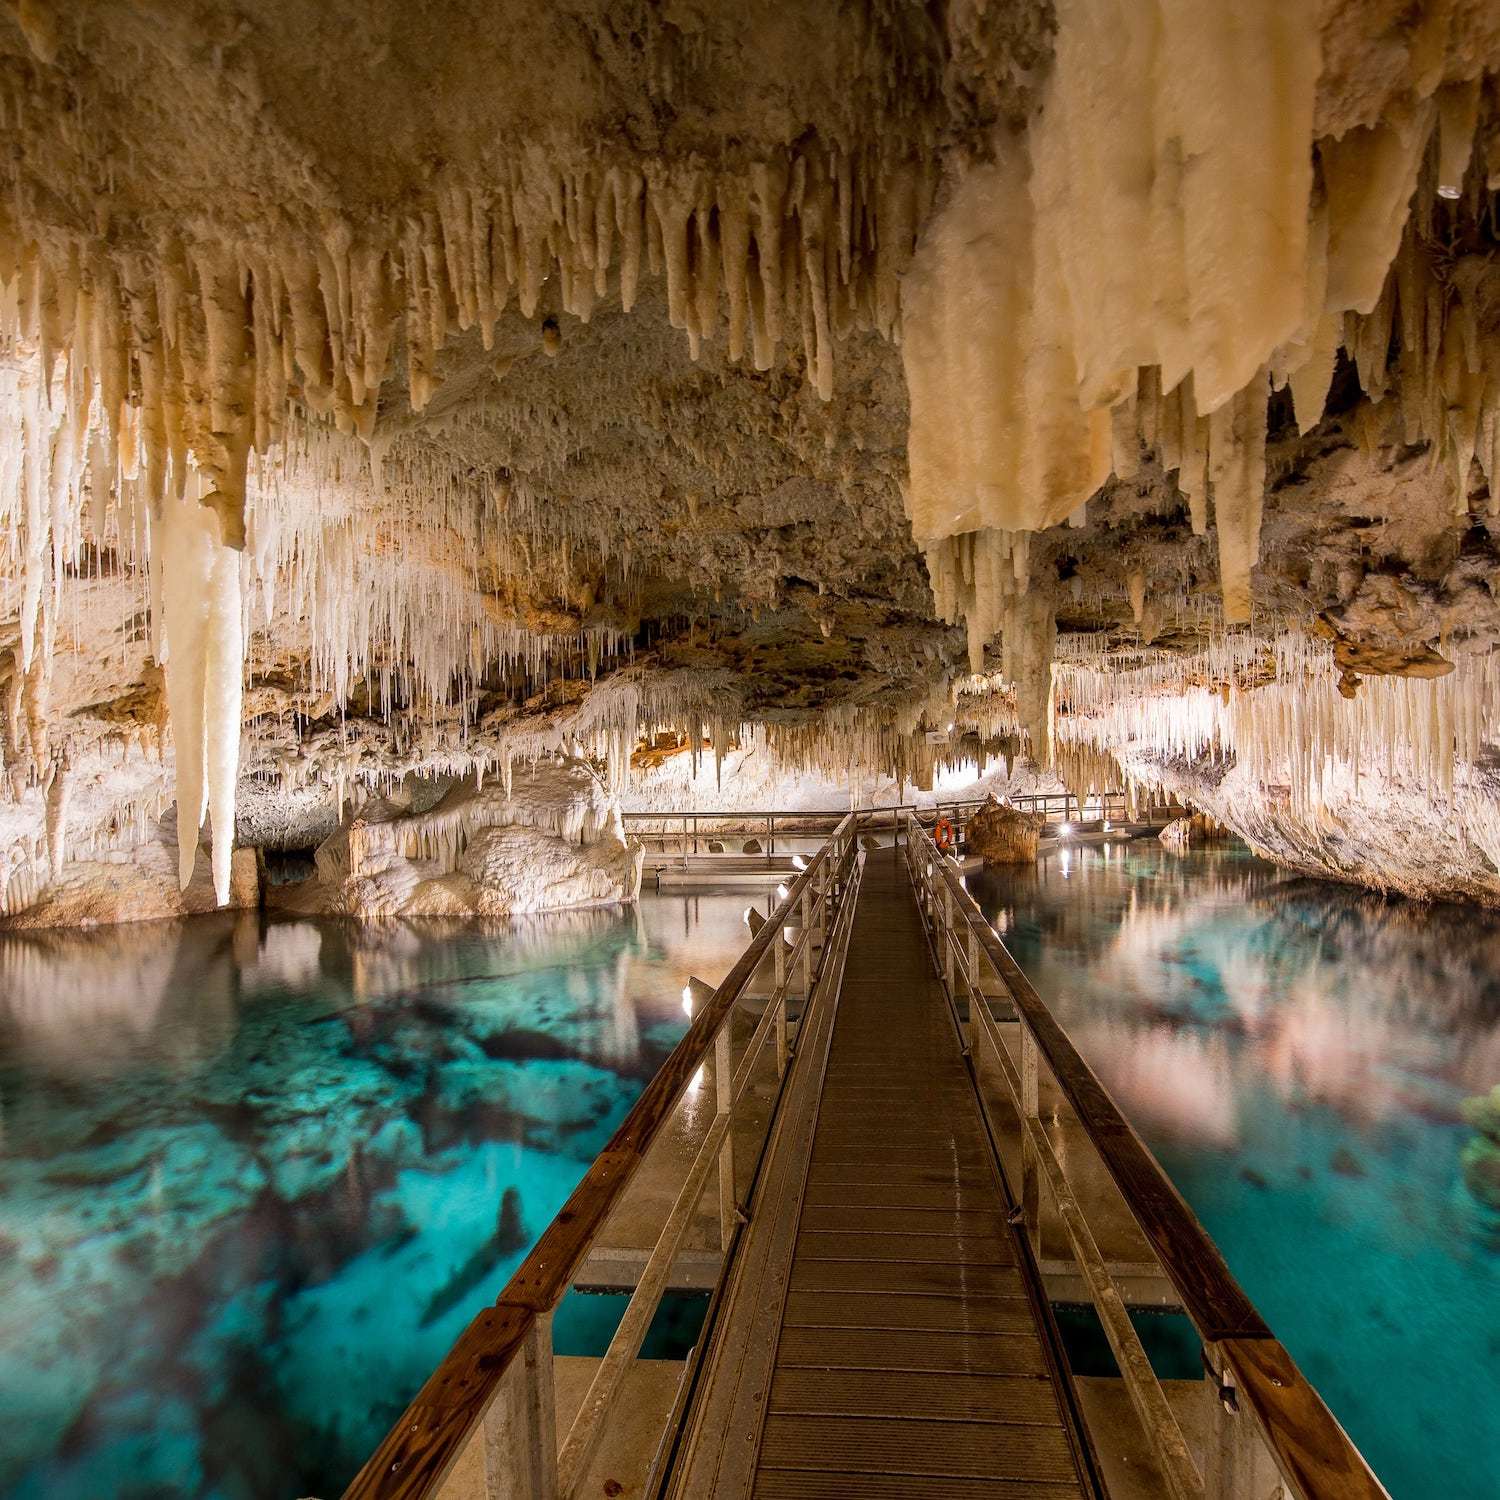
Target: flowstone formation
<point>393,391</point>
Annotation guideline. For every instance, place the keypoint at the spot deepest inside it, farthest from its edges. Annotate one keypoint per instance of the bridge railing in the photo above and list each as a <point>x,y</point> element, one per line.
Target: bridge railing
<point>689,832</point>
<point>497,1381</point>
<point>1273,1427</point>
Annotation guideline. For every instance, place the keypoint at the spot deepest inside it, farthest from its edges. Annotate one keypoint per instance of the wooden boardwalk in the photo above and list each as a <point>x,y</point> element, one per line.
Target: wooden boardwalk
<point>879,1328</point>
<point>884,1336</point>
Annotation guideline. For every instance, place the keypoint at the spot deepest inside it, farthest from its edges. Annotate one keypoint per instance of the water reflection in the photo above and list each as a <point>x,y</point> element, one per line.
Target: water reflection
<point>256,1176</point>
<point>1298,1054</point>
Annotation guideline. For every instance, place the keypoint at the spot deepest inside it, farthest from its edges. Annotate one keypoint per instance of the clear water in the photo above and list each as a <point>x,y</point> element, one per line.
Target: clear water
<point>256,1178</point>
<point>252,1176</point>
<point>1296,1054</point>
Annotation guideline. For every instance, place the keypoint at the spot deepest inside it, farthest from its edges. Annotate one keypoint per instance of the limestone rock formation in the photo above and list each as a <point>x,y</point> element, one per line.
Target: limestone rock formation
<point>1004,835</point>
<point>136,884</point>
<point>1192,832</point>
<point>552,839</point>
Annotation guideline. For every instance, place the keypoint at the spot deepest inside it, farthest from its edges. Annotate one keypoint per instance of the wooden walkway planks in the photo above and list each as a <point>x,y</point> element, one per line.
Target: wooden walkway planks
<point>908,1362</point>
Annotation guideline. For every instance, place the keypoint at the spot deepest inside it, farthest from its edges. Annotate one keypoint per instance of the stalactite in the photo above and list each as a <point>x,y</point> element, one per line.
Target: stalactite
<point>1167,230</point>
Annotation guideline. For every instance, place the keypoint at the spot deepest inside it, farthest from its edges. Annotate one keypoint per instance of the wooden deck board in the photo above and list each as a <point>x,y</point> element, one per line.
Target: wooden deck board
<point>954,1314</point>
<point>885,1393</point>
<point>793,1484</point>
<point>915,1445</point>
<point>932,1278</point>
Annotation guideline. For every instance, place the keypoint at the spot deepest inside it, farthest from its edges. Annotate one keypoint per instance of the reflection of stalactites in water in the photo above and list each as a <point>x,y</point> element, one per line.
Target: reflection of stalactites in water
<point>625,1033</point>
<point>94,1000</point>
<point>1324,988</point>
<point>431,953</point>
<point>1175,1081</point>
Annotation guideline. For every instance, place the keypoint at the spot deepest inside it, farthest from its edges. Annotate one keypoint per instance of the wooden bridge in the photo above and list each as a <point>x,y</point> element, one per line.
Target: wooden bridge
<point>905,1160</point>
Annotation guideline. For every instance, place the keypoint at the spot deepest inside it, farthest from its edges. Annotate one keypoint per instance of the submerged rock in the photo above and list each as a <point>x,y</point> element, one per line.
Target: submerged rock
<point>1481,1156</point>
<point>510,1237</point>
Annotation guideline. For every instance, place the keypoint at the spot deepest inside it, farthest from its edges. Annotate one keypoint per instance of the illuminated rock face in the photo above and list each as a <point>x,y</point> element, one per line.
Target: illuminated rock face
<point>552,839</point>
<point>1192,832</point>
<point>386,394</point>
<point>1003,835</point>
<point>138,884</point>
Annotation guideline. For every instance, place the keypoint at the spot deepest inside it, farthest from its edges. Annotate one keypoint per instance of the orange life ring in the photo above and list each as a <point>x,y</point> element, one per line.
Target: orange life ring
<point>943,834</point>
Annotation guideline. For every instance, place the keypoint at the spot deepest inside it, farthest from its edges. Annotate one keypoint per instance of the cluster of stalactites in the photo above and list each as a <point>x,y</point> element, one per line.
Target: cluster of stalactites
<point>1164,246</point>
<point>369,564</point>
<point>1300,731</point>
<point>1089,772</point>
<point>980,578</point>
<point>387,562</point>
<point>1445,392</point>
<point>202,342</point>
<point>143,383</point>
<point>68,475</point>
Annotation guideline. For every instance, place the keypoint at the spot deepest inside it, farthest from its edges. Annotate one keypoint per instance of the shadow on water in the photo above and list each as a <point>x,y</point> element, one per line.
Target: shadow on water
<point>255,1177</point>
<point>1300,1056</point>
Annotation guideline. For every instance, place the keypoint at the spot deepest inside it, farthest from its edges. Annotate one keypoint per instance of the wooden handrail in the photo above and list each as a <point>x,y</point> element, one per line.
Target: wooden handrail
<point>420,1449</point>
<point>1210,1294</point>
<point>1315,1456</point>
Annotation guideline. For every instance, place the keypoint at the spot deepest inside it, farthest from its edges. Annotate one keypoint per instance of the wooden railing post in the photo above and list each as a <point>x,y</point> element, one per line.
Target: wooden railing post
<point>806,944</point>
<point>1236,1461</point>
<point>724,1091</point>
<point>1031,1198</point>
<point>976,995</point>
<point>520,1426</point>
<point>778,949</point>
<point>948,938</point>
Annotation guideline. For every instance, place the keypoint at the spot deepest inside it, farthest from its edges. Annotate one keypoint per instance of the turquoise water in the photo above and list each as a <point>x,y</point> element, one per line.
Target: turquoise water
<point>1296,1053</point>
<point>256,1177</point>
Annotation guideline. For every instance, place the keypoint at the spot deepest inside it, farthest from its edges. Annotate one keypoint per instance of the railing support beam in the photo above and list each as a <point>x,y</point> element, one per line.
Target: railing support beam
<point>520,1426</point>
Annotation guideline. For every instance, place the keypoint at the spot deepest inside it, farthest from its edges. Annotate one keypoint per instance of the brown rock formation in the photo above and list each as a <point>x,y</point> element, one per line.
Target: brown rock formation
<point>1004,835</point>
